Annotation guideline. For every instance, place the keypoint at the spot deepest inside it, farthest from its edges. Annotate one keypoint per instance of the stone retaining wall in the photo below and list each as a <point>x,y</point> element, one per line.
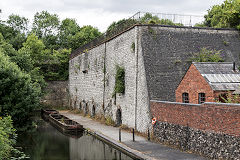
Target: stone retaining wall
<point>210,144</point>
<point>56,94</point>
<point>210,129</point>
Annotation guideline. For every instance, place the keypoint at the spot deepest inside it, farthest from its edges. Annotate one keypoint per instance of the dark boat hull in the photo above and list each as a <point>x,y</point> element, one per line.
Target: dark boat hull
<point>65,124</point>
<point>46,112</point>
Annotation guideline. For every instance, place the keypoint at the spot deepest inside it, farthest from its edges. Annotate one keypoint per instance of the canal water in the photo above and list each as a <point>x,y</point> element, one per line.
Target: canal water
<point>47,143</point>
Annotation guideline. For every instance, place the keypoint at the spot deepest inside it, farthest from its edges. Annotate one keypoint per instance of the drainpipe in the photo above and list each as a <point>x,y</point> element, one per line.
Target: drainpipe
<point>104,77</point>
<point>136,65</point>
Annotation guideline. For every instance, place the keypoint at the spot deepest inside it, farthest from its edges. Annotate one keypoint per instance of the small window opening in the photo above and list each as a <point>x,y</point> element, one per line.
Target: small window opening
<point>201,98</point>
<point>185,97</point>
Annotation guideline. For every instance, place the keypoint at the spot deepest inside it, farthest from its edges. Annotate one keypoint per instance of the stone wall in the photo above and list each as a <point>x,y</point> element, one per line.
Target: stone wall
<point>211,129</point>
<point>92,81</point>
<point>155,59</point>
<point>56,94</point>
<point>167,51</point>
<point>209,144</point>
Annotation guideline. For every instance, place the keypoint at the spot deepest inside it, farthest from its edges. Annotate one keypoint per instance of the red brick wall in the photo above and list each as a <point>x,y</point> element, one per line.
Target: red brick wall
<point>220,118</point>
<point>193,83</point>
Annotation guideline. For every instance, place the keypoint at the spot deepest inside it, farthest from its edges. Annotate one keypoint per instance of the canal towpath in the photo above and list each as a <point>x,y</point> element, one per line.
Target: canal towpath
<point>141,147</point>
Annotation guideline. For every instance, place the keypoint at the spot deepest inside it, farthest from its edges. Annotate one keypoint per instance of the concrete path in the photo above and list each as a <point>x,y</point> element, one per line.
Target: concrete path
<point>141,147</point>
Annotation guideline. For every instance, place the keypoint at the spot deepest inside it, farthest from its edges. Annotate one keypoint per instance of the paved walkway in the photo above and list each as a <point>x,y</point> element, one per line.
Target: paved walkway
<point>141,147</point>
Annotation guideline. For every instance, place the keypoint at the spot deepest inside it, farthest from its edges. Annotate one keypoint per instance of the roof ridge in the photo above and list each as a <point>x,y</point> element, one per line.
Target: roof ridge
<point>212,62</point>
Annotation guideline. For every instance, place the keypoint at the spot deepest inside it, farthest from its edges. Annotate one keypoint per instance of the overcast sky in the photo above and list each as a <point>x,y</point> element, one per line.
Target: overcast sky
<point>101,13</point>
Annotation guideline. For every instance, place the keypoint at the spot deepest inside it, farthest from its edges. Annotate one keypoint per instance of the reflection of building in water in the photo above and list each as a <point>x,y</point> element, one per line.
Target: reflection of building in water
<point>90,148</point>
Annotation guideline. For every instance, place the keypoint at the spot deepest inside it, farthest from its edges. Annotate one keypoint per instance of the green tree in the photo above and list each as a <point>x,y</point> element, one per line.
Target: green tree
<point>67,30</point>
<point>8,139</point>
<point>12,36</point>
<point>226,15</point>
<point>46,25</point>
<point>57,66</point>
<point>35,48</point>
<point>19,96</point>
<point>18,23</point>
<point>85,35</point>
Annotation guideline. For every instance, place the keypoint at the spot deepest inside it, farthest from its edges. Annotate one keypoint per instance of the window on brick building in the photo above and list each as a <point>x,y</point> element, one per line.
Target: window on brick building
<point>185,98</point>
<point>201,98</point>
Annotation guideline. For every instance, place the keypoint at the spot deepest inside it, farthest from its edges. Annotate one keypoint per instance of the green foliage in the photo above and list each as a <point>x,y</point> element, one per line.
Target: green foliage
<point>45,24</point>
<point>109,121</point>
<point>148,18</point>
<point>18,23</point>
<point>206,55</point>
<point>8,139</point>
<point>12,36</point>
<point>119,80</point>
<point>19,95</point>
<point>56,68</point>
<point>120,26</point>
<point>35,48</point>
<point>133,47</point>
<point>230,98</point>
<point>226,15</point>
<point>67,32</point>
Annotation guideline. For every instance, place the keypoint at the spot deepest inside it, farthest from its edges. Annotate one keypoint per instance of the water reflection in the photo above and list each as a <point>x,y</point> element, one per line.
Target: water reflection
<point>47,143</point>
<point>88,147</point>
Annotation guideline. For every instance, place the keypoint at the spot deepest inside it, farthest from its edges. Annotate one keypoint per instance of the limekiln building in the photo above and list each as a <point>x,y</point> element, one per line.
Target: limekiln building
<point>154,58</point>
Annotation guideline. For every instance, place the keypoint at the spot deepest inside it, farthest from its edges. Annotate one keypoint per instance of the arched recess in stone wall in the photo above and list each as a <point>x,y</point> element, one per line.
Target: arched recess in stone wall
<point>70,103</point>
<point>80,105</point>
<point>75,104</point>
<point>118,117</point>
<point>93,110</point>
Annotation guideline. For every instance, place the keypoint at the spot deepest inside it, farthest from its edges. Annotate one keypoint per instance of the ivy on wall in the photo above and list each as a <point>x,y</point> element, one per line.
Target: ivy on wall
<point>119,80</point>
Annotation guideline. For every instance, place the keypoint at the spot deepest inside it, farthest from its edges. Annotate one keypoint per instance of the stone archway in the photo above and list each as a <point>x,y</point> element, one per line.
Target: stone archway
<point>93,111</point>
<point>80,105</point>
<point>118,117</point>
<point>75,104</point>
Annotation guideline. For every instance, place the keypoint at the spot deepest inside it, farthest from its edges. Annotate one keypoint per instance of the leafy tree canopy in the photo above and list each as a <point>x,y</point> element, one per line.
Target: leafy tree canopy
<point>226,15</point>
<point>18,23</point>
<point>19,96</point>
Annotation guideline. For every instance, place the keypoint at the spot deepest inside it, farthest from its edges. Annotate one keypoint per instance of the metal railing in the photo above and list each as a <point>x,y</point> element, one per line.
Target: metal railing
<point>176,19</point>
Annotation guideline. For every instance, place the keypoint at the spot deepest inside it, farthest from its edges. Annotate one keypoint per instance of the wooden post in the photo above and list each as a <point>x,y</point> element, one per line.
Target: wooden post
<point>133,135</point>
<point>148,135</point>
<point>119,134</point>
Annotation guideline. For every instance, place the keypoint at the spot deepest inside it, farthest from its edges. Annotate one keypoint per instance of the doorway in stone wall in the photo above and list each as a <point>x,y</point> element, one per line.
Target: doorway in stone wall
<point>93,110</point>
<point>118,117</point>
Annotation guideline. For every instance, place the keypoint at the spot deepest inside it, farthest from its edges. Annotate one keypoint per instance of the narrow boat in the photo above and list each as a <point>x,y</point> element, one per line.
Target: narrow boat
<point>46,112</point>
<point>65,124</point>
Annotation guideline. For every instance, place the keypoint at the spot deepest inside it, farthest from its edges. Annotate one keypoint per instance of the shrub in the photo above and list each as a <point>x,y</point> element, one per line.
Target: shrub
<point>206,55</point>
<point>19,96</point>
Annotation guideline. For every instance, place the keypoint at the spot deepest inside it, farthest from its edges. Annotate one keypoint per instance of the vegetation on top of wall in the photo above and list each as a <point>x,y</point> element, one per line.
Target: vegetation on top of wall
<point>207,55</point>
<point>119,80</point>
<point>225,15</point>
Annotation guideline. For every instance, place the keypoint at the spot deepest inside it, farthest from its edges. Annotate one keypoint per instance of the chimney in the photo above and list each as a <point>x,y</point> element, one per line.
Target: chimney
<point>234,66</point>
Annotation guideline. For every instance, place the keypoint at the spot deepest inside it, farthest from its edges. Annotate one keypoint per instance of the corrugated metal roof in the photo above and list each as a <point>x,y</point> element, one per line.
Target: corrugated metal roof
<point>222,78</point>
<point>224,86</point>
<point>220,75</point>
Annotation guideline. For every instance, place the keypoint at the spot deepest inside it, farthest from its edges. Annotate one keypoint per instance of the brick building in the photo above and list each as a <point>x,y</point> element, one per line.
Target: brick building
<point>208,82</point>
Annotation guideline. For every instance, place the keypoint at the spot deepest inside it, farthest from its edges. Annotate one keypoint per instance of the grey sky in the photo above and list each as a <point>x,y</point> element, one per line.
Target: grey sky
<point>100,13</point>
